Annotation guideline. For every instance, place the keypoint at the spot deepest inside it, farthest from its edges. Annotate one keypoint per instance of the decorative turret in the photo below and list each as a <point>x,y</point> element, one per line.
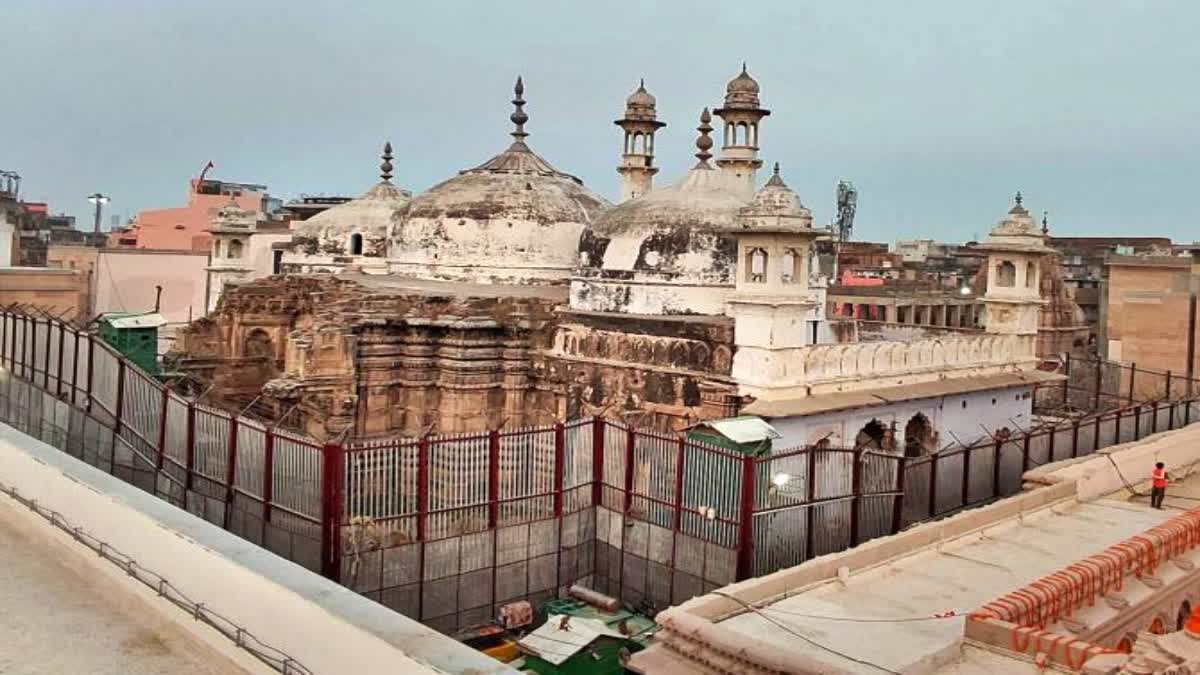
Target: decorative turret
<point>637,159</point>
<point>741,114</point>
<point>1015,249</point>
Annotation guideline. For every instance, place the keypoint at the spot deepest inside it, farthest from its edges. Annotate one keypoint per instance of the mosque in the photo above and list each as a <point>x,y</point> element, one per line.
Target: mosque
<point>511,295</point>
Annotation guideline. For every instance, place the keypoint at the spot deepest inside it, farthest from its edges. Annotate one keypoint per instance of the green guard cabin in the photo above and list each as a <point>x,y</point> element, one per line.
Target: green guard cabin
<point>134,336</point>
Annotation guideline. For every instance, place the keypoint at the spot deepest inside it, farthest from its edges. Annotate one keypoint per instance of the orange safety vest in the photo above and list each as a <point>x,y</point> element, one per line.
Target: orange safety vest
<point>1159,477</point>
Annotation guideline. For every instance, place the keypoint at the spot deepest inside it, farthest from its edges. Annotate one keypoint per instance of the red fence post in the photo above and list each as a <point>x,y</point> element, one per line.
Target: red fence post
<point>560,444</point>
<point>996,469</point>
<point>933,483</point>
<point>810,512</point>
<point>162,434</point>
<point>91,352</point>
<point>422,487</point>
<point>898,501</point>
<point>677,518</point>
<point>230,470</point>
<point>597,462</point>
<point>630,444</point>
<point>189,461</point>
<point>856,498</point>
<point>745,560</point>
<point>493,478</point>
<point>62,345</point>
<point>333,505</point>
<point>966,475</point>
<point>117,411</point>
<point>268,484</point>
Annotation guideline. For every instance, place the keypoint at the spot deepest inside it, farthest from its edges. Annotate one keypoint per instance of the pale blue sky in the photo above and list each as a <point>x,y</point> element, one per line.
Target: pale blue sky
<point>937,111</point>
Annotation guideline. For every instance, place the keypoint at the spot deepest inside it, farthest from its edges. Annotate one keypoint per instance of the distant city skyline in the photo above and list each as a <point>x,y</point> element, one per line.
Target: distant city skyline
<point>937,111</point>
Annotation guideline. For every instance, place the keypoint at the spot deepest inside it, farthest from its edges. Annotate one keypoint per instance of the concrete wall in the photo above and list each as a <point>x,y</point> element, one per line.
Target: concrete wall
<point>1146,314</point>
<point>125,281</point>
<point>328,628</point>
<point>60,292</point>
<point>991,409</point>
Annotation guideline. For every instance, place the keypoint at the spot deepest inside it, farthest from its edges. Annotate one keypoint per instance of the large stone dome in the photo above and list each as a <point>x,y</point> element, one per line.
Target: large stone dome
<point>667,252</point>
<point>513,219</point>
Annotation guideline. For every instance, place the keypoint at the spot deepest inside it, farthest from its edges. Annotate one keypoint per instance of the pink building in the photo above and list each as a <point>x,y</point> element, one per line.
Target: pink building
<point>185,228</point>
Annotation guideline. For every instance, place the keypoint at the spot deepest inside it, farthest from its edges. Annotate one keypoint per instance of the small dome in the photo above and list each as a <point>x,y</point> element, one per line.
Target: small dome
<point>641,97</point>
<point>1018,221</point>
<point>777,199</point>
<point>742,91</point>
<point>369,215</point>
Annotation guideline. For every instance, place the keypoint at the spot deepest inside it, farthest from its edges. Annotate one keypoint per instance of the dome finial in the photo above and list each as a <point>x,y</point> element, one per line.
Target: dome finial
<point>1019,198</point>
<point>704,143</point>
<point>519,118</point>
<point>1046,223</point>
<point>776,180</point>
<point>642,83</point>
<point>385,168</point>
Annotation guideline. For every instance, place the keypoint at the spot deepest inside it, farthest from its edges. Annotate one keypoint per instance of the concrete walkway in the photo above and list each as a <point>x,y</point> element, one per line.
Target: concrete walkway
<point>60,616</point>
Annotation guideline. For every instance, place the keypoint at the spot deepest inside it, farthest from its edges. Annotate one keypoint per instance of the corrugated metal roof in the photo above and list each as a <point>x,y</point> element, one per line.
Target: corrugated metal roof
<point>820,403</point>
<point>556,645</point>
<point>743,429</point>
<point>152,320</point>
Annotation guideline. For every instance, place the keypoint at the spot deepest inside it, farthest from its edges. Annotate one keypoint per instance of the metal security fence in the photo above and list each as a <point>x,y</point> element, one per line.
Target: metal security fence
<point>448,528</point>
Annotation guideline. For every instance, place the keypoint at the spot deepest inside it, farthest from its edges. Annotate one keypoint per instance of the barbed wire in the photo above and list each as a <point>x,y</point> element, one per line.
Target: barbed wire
<point>244,639</point>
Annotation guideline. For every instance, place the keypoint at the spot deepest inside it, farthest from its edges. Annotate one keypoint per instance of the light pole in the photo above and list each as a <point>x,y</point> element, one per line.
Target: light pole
<point>99,200</point>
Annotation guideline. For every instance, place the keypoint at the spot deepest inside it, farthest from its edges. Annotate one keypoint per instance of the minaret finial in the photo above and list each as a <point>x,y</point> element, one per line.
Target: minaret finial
<point>704,143</point>
<point>641,83</point>
<point>776,168</point>
<point>519,117</point>
<point>744,68</point>
<point>1019,198</point>
<point>385,168</point>
<point>1045,223</point>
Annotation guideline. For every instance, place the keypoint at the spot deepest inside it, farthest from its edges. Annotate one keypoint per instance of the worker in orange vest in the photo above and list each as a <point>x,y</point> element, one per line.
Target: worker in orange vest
<point>1158,485</point>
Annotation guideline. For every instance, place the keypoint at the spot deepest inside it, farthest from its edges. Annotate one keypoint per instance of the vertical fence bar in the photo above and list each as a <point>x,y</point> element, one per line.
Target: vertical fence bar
<point>677,518</point>
<point>1137,422</point>
<point>268,484</point>
<point>422,489</point>
<point>189,459</point>
<point>230,471</point>
<point>493,478</point>
<point>560,444</point>
<point>966,475</point>
<point>1117,428</point>
<point>62,344</point>
<point>856,498</point>
<point>996,469</point>
<point>1075,439</point>
<point>75,371</point>
<point>91,351</point>
<point>1025,460</point>
<point>333,505</point>
<point>597,461</point>
<point>120,395</point>
<point>46,364</point>
<point>1099,378</point>
<point>630,443</point>
<point>745,559</point>
<point>933,483</point>
<point>1132,377</point>
<point>162,434</point>
<point>898,499</point>
<point>1167,391</point>
<point>810,513</point>
<point>1067,383</point>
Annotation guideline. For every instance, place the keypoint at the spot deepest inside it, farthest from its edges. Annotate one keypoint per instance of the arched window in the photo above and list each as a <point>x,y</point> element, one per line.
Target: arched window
<point>356,244</point>
<point>743,134</point>
<point>873,436</point>
<point>918,436</point>
<point>258,345</point>
<point>790,272</point>
<point>235,248</point>
<point>1030,275</point>
<point>756,265</point>
<point>1006,274</point>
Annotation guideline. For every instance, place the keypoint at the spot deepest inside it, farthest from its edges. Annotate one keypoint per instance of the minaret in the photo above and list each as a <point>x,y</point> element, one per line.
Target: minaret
<point>741,115</point>
<point>637,159</point>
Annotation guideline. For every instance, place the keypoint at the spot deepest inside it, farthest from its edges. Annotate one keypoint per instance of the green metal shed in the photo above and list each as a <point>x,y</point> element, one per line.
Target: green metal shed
<point>133,335</point>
